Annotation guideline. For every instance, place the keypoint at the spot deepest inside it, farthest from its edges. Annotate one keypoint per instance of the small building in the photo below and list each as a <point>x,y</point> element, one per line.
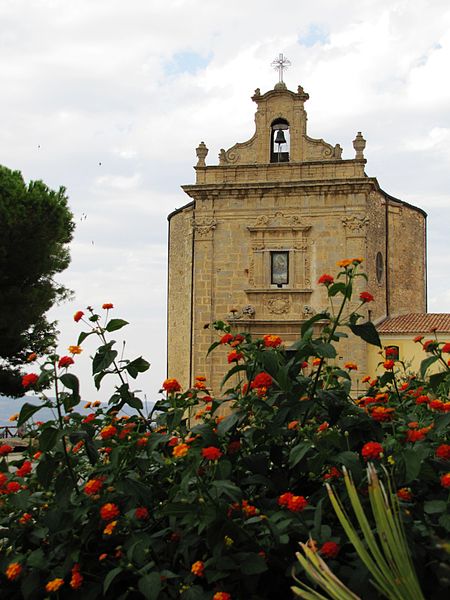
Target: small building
<point>399,333</point>
<point>266,222</point>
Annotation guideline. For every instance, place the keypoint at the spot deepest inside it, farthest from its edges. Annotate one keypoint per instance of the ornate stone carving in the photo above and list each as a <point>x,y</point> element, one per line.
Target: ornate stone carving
<point>204,225</point>
<point>301,244</point>
<point>202,153</point>
<point>359,143</point>
<point>280,220</point>
<point>337,151</point>
<point>278,306</point>
<point>355,223</point>
<point>251,273</point>
<point>248,311</point>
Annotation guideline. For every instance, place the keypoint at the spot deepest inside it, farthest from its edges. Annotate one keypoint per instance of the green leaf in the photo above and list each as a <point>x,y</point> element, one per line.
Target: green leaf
<point>110,578</point>
<point>427,363</point>
<point>251,564</point>
<point>150,586</point>
<point>103,359</point>
<point>310,322</point>
<point>228,488</point>
<point>48,439</point>
<point>83,335</point>
<point>28,411</point>
<point>225,425</point>
<point>412,464</point>
<point>441,423</point>
<point>37,559</point>
<point>432,507</point>
<point>297,453</point>
<point>115,324</point>
<point>232,371</point>
<point>136,366</point>
<point>437,378</point>
<point>70,381</point>
<point>46,469</point>
<point>367,332</point>
<point>337,288</point>
<point>324,350</point>
<point>211,348</point>
<point>444,521</point>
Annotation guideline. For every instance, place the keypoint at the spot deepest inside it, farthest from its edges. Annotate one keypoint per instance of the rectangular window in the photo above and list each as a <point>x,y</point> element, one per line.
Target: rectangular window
<point>392,352</point>
<point>279,268</point>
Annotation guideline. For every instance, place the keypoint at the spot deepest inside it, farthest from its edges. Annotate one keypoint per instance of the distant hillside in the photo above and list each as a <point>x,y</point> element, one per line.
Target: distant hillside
<point>10,406</point>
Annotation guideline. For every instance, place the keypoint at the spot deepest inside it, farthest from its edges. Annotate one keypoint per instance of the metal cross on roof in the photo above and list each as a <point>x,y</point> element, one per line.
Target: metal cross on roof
<point>279,64</point>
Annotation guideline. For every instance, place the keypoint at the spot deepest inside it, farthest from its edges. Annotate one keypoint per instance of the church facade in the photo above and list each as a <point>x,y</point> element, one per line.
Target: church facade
<point>263,225</point>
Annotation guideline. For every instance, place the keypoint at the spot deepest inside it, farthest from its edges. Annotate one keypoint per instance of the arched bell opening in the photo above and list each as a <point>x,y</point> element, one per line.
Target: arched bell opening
<point>279,141</point>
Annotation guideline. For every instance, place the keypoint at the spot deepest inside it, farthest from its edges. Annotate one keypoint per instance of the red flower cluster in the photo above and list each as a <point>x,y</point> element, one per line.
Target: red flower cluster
<point>25,469</point>
<point>107,306</point>
<point>372,451</point>
<point>332,473</point>
<point>446,348</point>
<point>443,451</point>
<point>234,356</point>
<point>389,364</point>
<point>262,380</point>
<point>29,380</point>
<point>78,316</point>
<point>382,414</point>
<point>76,580</point>
<point>93,486</point>
<point>326,279</point>
<point>226,339</point>
<point>211,453</point>
<point>272,341</point>
<point>366,297</point>
<point>445,480</point>
<point>330,549</point>
<point>292,502</point>
<point>141,513</point>
<point>222,596</point>
<point>198,568</point>
<point>108,432</point>
<point>171,385</point>
<point>65,361</point>
<point>404,494</point>
<point>5,449</point>
<point>109,511</point>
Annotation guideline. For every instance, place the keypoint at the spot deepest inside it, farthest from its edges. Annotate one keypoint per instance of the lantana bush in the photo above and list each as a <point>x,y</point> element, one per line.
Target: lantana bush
<point>209,495</point>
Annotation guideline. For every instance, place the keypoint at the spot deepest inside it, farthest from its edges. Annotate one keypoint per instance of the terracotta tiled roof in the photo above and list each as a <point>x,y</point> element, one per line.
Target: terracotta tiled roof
<point>416,323</point>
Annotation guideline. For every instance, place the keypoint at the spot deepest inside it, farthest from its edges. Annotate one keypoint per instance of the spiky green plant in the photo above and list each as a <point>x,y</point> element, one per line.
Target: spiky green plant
<point>384,551</point>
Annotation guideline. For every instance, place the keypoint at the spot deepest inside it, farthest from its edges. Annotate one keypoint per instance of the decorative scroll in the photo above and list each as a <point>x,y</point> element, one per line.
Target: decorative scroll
<point>204,225</point>
<point>355,224</point>
<point>278,306</point>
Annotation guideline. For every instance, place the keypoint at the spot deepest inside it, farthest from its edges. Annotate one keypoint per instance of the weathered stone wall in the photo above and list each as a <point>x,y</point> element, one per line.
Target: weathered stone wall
<point>407,266</point>
<point>179,296</point>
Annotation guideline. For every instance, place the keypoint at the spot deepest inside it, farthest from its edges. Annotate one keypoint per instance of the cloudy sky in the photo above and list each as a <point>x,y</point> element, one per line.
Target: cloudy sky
<point>110,99</point>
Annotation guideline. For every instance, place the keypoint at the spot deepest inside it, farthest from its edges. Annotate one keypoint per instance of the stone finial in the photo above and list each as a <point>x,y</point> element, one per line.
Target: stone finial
<point>337,151</point>
<point>222,157</point>
<point>257,92</point>
<point>202,152</point>
<point>359,143</point>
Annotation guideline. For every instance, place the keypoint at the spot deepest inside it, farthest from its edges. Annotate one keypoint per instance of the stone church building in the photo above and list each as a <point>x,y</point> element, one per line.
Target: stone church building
<point>278,211</point>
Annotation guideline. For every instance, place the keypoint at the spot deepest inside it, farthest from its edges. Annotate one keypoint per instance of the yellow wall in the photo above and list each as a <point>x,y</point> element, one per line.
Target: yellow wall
<point>411,353</point>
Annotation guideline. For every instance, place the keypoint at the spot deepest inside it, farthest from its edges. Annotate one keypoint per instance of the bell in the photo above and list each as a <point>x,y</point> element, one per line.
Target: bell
<point>279,138</point>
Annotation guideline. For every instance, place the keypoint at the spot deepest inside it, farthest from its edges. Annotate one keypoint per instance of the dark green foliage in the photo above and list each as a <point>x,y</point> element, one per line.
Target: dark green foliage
<point>36,226</point>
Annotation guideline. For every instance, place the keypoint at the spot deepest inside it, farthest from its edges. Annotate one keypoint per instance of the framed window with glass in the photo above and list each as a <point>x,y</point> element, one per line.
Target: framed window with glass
<point>279,268</point>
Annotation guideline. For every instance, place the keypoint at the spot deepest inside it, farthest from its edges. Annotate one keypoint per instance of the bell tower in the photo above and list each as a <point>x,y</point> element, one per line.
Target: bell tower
<point>278,211</point>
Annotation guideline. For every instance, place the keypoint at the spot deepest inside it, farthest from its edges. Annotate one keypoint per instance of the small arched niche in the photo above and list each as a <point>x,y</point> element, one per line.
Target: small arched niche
<point>279,141</point>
